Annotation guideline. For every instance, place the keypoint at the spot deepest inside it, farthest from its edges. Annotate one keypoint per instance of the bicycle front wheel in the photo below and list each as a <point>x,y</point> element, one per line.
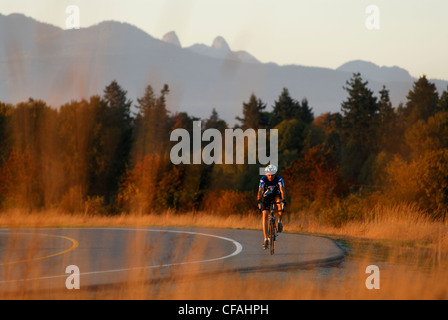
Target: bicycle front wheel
<point>272,236</point>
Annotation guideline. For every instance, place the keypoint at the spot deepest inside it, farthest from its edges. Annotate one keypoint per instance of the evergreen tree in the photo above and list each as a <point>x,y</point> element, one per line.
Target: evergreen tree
<point>215,122</point>
<point>161,123</point>
<point>253,114</point>
<point>358,127</point>
<point>115,99</point>
<point>285,108</point>
<point>422,101</point>
<point>146,104</point>
<point>329,124</point>
<point>443,101</point>
<point>360,115</point>
<point>305,112</point>
<point>292,134</point>
<point>152,123</point>
<point>385,109</point>
<point>388,133</point>
<point>111,142</point>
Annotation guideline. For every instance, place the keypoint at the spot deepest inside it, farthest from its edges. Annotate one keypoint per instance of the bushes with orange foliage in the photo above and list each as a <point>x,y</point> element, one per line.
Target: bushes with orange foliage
<point>230,202</point>
<point>423,181</point>
<point>315,177</point>
<point>138,187</point>
<point>19,181</point>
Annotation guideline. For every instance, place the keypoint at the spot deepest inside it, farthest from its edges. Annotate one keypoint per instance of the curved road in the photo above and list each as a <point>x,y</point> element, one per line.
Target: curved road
<point>38,258</point>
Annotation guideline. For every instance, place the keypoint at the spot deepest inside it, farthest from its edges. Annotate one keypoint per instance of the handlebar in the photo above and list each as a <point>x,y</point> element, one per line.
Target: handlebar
<point>273,202</point>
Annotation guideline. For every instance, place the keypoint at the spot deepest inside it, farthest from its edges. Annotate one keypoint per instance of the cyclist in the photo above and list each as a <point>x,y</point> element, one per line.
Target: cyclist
<point>271,179</point>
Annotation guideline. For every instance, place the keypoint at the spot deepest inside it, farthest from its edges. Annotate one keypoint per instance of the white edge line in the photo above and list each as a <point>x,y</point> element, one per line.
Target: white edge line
<point>239,249</point>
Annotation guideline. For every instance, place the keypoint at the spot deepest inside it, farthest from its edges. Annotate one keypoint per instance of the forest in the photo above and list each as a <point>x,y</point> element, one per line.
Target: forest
<point>100,156</point>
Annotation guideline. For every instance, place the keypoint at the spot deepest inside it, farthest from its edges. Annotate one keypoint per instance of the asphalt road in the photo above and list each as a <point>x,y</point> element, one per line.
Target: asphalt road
<point>39,258</point>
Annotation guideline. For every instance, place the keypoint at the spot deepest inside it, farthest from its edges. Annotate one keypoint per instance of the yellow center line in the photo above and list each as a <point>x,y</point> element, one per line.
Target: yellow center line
<point>73,247</point>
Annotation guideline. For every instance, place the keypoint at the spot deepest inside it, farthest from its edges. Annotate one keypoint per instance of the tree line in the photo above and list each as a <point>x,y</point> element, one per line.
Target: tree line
<point>97,155</point>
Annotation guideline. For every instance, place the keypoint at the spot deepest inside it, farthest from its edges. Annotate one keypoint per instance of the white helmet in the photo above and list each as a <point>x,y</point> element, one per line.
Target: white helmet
<point>270,169</point>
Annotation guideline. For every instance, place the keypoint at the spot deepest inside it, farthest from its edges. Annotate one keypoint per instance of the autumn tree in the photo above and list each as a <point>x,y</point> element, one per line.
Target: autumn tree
<point>315,178</point>
<point>428,136</point>
<point>422,181</point>
<point>78,130</point>
<point>20,181</point>
<point>139,187</point>
<point>5,131</point>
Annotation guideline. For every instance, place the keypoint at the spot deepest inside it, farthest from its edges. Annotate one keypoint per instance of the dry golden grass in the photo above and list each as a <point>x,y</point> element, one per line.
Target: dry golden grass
<point>53,218</point>
<point>417,250</point>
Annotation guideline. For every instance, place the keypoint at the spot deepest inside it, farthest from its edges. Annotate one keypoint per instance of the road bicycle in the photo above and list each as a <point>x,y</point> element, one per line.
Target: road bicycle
<point>269,197</point>
<point>272,226</point>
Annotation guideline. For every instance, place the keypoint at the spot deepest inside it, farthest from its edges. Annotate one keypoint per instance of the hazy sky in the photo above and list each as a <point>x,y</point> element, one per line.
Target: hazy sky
<point>412,34</point>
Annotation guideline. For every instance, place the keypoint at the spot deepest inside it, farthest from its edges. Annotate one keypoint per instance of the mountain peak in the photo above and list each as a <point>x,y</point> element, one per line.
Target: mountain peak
<point>221,44</point>
<point>171,37</point>
<point>375,72</point>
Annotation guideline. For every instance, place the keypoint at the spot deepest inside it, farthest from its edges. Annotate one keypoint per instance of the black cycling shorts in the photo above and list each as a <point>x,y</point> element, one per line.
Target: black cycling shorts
<point>266,205</point>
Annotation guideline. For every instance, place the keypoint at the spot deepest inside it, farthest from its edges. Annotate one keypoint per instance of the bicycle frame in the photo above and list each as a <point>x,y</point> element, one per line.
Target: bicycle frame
<point>272,227</point>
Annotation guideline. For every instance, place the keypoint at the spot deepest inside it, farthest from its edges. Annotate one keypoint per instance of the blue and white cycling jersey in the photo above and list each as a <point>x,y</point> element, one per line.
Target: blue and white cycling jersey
<point>265,183</point>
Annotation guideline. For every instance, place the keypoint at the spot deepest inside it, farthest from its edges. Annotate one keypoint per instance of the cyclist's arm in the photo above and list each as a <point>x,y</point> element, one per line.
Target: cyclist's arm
<point>260,194</point>
<point>260,190</point>
<point>282,192</point>
<point>281,185</point>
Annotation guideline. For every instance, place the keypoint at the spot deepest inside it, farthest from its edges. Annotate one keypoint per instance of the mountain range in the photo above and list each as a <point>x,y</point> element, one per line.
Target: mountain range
<point>45,62</point>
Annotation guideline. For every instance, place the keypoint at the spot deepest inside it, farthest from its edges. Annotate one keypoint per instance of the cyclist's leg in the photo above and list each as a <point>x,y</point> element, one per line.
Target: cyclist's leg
<point>279,205</point>
<point>279,211</point>
<point>265,222</point>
